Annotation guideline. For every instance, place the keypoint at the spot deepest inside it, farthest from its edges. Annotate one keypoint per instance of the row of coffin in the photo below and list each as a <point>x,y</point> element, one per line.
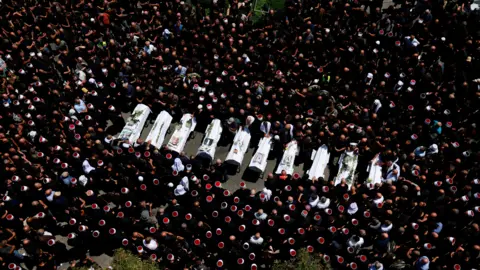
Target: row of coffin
<point>241,142</point>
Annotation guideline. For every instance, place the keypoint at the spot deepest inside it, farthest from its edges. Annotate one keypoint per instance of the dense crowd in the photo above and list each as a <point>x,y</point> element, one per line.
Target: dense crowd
<point>400,82</point>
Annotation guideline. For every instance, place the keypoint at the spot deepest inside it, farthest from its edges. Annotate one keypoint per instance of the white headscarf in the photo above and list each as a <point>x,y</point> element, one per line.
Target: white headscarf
<point>152,245</point>
<point>179,190</point>
<point>385,228</point>
<point>262,216</point>
<point>352,208</point>
<point>433,149</point>
<point>268,193</point>
<point>178,165</point>
<point>50,197</point>
<point>291,131</point>
<point>87,168</point>
<point>377,104</point>
<point>185,183</point>
<point>390,175</point>
<point>379,200</point>
<point>313,203</point>
<point>355,244</point>
<point>250,120</point>
<point>324,205</point>
<point>418,151</point>
<point>83,180</point>
<point>265,127</point>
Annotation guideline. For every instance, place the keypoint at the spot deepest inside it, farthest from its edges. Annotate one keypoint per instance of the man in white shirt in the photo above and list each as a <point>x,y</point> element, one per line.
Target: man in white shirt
<point>256,239</point>
<point>150,243</point>
<point>260,215</point>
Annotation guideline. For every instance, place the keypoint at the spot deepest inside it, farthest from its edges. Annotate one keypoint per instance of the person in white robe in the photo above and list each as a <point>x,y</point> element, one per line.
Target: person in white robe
<point>178,165</point>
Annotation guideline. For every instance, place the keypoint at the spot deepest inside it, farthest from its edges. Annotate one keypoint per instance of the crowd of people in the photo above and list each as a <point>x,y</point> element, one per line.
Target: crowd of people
<point>401,82</point>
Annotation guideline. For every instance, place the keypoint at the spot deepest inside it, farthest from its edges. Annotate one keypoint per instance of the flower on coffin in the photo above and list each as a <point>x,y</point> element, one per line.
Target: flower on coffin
<point>136,115</point>
<point>159,132</point>
<point>189,123</point>
<point>348,166</point>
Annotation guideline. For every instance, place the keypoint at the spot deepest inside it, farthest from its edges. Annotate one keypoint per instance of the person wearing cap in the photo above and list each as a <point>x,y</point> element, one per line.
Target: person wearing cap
<point>231,126</point>
<point>148,214</point>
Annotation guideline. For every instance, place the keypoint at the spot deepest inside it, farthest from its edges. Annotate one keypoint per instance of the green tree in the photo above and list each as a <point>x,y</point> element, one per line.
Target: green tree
<point>125,260</point>
<point>303,261</point>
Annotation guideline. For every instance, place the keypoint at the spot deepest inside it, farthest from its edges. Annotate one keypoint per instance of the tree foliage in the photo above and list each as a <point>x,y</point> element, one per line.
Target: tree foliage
<point>303,261</point>
<point>124,260</point>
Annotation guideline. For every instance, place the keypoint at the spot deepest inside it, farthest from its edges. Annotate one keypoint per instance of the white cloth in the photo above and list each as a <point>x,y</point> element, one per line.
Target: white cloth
<point>288,158</point>
<point>377,105</point>
<point>390,175</point>
<point>178,165</point>
<point>153,245</point>
<point>419,153</point>
<point>358,244</point>
<point>262,216</point>
<point>385,228</point>
<point>159,130</point>
<point>179,190</point>
<point>265,127</point>
<point>247,59</point>
<point>213,134</point>
<point>255,240</point>
<point>379,200</point>
<point>249,121</point>
<point>260,158</point>
<point>50,197</point>
<point>324,205</point>
<point>185,183</point>
<point>87,168</point>
<point>313,203</point>
<point>320,161</point>
<point>241,141</point>
<point>433,149</point>
<point>134,125</point>
<point>83,180</point>
<point>181,133</point>
<point>268,193</point>
<point>352,208</point>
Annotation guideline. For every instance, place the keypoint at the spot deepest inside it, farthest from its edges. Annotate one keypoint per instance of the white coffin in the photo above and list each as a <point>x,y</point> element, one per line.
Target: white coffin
<point>159,129</point>
<point>320,162</point>
<point>239,147</point>
<point>134,126</point>
<point>259,160</point>
<point>288,158</point>
<point>347,166</point>
<point>374,171</point>
<point>213,134</point>
<point>182,133</point>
